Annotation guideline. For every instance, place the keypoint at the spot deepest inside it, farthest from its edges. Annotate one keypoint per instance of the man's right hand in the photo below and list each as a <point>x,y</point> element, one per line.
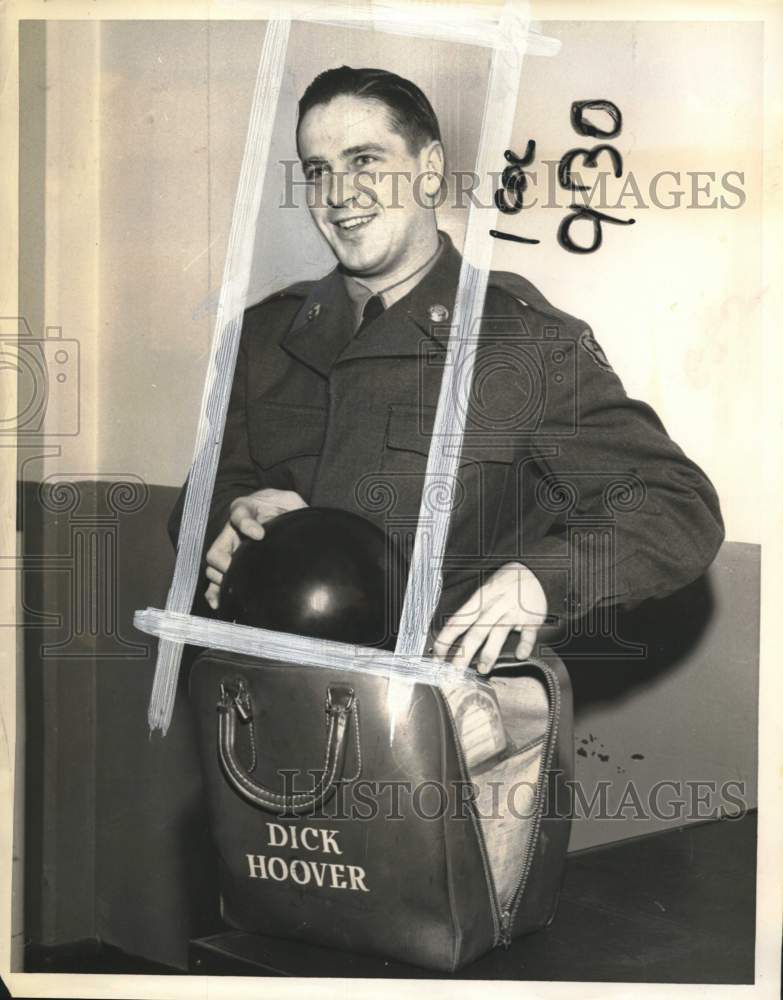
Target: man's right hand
<point>248,515</point>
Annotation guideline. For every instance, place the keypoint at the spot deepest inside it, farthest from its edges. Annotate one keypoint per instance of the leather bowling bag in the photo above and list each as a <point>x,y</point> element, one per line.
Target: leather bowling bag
<point>359,812</point>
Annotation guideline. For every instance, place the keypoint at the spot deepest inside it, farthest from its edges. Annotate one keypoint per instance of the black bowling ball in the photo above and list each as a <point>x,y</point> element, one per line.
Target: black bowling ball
<point>318,572</point>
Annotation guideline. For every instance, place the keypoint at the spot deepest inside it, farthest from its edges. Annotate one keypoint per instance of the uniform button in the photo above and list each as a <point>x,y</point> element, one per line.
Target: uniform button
<point>313,311</point>
<point>438,313</point>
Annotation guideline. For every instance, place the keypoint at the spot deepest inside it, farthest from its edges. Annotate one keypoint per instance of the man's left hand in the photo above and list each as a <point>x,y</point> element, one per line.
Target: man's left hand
<point>511,599</point>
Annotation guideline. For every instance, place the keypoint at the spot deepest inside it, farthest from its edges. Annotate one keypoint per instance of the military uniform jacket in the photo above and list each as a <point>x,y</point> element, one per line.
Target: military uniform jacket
<point>559,469</point>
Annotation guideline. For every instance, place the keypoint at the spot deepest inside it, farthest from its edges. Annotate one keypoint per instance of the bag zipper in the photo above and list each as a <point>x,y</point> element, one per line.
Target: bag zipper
<point>497,914</point>
<point>509,912</point>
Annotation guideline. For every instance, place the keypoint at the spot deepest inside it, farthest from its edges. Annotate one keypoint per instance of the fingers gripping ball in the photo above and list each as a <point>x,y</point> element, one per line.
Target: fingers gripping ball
<point>319,572</point>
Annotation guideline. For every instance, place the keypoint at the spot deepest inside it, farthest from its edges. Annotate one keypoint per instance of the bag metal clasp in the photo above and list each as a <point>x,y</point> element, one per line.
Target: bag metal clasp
<point>339,699</point>
<point>236,693</point>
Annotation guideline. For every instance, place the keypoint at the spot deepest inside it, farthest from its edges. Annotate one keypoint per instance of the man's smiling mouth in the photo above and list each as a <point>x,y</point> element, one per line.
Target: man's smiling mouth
<point>355,222</point>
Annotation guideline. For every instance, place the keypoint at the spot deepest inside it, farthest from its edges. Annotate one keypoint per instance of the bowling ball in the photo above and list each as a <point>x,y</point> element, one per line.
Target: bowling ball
<point>319,572</point>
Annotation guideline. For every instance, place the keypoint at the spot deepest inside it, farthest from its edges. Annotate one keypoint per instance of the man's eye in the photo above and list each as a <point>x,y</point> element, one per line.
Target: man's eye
<point>365,160</point>
<point>314,173</point>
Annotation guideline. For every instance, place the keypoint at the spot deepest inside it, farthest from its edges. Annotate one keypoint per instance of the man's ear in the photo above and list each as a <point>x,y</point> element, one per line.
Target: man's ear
<point>433,162</point>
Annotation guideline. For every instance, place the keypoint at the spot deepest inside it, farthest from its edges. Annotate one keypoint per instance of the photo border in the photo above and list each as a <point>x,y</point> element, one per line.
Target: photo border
<point>769,882</point>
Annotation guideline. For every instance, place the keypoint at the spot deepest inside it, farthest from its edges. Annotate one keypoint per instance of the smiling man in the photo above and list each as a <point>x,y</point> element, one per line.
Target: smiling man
<point>366,196</point>
<point>337,382</point>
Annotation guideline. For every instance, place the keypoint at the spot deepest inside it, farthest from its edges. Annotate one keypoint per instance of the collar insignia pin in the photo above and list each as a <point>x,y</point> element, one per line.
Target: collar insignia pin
<point>313,311</point>
<point>438,313</point>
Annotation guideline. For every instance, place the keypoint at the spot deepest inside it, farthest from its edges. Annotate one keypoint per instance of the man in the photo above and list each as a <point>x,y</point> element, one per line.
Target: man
<point>570,495</point>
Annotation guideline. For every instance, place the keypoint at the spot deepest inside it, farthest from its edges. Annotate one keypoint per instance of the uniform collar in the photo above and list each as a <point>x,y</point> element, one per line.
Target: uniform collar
<point>360,294</point>
<point>323,326</point>
<point>322,331</point>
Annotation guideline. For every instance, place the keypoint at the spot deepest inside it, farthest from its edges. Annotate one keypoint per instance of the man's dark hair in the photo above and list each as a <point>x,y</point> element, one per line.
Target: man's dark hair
<point>410,113</point>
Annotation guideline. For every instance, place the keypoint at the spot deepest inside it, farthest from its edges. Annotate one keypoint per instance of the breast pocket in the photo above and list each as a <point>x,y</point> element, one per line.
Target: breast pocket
<point>407,439</point>
<point>484,470</point>
<point>281,433</point>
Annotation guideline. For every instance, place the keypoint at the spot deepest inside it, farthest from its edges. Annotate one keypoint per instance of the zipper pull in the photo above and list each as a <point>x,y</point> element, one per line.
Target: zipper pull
<point>505,928</point>
<point>236,693</point>
<point>244,705</point>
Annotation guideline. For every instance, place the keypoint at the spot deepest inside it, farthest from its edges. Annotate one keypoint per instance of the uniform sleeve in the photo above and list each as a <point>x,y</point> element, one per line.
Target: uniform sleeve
<point>629,516</point>
<point>237,475</point>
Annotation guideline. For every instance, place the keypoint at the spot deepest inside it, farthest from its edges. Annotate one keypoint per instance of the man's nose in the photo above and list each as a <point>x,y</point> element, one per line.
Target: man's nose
<point>339,191</point>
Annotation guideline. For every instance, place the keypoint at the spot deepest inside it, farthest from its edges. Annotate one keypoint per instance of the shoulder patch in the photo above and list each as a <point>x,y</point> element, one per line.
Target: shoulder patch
<point>589,344</point>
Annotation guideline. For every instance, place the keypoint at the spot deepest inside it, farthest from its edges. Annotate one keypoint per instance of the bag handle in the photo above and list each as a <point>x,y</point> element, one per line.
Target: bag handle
<point>235,701</point>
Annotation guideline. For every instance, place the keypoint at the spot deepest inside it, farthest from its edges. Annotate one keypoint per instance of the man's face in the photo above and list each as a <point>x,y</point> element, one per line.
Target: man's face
<point>362,194</point>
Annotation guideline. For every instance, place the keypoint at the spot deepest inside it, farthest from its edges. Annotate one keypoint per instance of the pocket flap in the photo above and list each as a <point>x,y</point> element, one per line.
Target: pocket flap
<point>410,429</point>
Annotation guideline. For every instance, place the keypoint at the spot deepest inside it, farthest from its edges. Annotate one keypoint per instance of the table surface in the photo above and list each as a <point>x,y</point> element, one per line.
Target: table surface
<point>673,907</point>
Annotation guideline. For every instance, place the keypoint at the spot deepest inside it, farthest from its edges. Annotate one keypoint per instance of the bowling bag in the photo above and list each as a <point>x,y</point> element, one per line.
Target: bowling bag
<point>359,812</point>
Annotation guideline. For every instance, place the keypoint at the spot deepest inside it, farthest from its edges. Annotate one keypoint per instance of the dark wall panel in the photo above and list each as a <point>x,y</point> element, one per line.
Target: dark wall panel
<point>118,846</point>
